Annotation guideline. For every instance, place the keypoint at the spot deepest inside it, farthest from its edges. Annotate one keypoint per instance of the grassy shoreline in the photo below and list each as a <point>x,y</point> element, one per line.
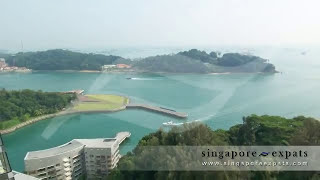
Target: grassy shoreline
<point>48,116</point>
<point>15,126</point>
<point>103,104</point>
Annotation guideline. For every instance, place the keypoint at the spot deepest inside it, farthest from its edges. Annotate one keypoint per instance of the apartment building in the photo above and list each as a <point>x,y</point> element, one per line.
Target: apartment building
<point>93,158</point>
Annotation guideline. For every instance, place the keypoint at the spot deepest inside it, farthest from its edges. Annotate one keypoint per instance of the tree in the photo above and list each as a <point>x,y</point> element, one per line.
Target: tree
<point>255,130</point>
<point>26,103</point>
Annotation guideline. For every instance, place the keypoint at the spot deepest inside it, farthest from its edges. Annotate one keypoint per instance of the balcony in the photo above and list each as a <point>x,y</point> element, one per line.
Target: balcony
<point>76,160</point>
<point>67,174</point>
<point>42,169</point>
<point>50,167</point>
<point>42,174</point>
<point>75,157</point>
<point>67,169</point>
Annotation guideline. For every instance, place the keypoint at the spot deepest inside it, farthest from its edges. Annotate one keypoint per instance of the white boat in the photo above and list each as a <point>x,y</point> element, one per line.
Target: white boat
<point>170,123</point>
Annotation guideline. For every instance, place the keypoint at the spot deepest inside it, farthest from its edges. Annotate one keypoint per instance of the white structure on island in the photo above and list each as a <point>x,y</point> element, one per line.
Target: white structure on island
<point>93,158</point>
<point>108,67</point>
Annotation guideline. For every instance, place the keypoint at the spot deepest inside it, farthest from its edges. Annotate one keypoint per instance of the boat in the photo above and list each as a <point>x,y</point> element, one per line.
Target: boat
<point>170,123</point>
<point>128,78</point>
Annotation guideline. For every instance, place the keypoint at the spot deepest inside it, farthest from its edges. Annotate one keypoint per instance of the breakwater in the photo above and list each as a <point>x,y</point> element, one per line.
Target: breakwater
<point>159,110</point>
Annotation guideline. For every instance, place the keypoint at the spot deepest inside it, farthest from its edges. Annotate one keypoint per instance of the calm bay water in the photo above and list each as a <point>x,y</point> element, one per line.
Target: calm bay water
<point>217,100</point>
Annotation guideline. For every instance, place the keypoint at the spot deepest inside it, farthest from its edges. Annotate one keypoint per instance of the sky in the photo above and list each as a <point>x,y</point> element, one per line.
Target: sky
<point>47,24</point>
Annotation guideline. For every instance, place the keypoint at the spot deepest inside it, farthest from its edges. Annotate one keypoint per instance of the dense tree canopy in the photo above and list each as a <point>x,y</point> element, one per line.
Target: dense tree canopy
<point>59,59</point>
<point>255,130</point>
<point>201,55</point>
<point>21,105</point>
<point>172,64</point>
<point>195,61</point>
<point>236,59</point>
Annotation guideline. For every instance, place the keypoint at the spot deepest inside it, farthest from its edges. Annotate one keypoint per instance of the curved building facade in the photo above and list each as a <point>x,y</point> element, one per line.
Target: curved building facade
<point>93,158</point>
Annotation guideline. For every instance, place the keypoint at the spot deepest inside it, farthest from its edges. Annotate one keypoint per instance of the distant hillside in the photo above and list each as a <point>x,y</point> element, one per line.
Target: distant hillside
<point>195,61</point>
<point>192,61</point>
<point>4,55</point>
<point>171,63</point>
<point>59,59</point>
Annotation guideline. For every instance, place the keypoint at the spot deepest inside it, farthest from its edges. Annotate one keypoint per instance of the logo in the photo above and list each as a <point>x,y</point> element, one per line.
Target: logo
<point>264,154</point>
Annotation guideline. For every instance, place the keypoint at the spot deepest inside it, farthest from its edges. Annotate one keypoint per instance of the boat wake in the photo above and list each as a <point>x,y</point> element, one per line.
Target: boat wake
<point>171,123</point>
<point>142,79</point>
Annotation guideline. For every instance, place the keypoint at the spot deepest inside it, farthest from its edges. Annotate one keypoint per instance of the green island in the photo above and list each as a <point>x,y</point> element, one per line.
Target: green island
<point>24,107</point>
<point>255,130</point>
<point>192,61</point>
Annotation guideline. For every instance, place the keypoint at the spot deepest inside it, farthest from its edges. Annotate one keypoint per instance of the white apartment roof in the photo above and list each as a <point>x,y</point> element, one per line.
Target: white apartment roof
<point>104,142</point>
<point>54,151</point>
<point>78,143</point>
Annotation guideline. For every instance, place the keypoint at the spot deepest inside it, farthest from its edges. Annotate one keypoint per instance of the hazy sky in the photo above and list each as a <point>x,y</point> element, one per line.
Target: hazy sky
<point>42,24</point>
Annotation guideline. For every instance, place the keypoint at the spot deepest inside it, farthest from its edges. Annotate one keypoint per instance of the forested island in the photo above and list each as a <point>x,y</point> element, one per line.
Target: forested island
<point>59,59</point>
<point>192,61</point>
<point>255,130</point>
<point>19,106</point>
<point>195,61</point>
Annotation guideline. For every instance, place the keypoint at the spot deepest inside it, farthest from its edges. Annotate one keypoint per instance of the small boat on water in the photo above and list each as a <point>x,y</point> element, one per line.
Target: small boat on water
<point>128,78</point>
<point>170,123</point>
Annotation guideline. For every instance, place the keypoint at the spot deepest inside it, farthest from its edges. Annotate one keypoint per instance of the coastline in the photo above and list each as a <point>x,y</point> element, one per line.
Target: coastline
<point>16,71</point>
<point>69,71</point>
<point>28,122</point>
<point>67,111</point>
<point>70,110</point>
<point>48,116</point>
<point>135,72</point>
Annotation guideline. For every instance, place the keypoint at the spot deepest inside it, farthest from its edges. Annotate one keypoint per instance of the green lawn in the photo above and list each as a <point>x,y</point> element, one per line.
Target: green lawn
<point>95,107</point>
<point>105,102</point>
<point>109,98</point>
